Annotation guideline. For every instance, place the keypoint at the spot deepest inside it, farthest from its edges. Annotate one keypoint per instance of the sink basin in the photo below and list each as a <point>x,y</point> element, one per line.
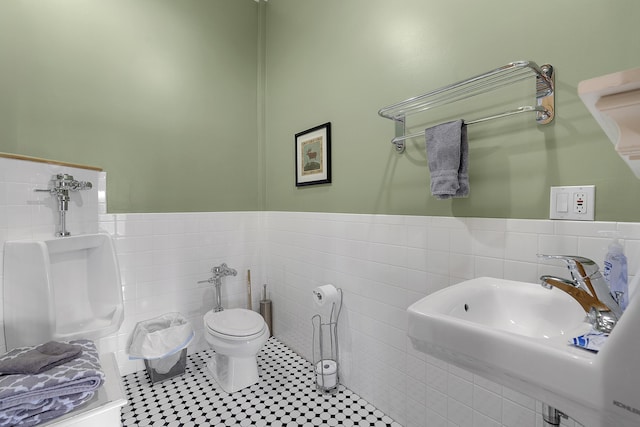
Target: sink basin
<point>508,306</point>
<point>516,333</point>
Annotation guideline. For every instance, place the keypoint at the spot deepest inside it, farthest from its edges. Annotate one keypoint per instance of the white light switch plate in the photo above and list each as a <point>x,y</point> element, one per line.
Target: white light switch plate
<point>576,203</point>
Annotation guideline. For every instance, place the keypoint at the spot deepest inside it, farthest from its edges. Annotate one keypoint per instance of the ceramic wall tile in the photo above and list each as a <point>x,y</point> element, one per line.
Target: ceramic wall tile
<point>383,264</point>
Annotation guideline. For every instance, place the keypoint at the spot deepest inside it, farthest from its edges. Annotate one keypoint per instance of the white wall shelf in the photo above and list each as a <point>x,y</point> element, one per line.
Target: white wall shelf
<point>614,101</point>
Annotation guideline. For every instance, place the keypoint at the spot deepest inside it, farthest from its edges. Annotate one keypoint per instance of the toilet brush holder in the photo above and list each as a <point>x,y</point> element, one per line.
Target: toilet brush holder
<point>265,310</point>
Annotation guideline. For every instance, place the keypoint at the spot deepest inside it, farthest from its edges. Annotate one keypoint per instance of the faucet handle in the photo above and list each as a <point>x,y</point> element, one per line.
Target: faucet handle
<point>567,258</point>
<point>576,264</point>
<point>571,260</point>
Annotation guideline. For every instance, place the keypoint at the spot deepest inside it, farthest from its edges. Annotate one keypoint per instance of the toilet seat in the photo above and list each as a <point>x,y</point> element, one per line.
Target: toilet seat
<point>235,324</point>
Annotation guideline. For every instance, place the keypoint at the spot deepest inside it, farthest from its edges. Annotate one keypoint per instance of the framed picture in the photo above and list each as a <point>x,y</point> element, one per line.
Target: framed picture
<point>313,156</point>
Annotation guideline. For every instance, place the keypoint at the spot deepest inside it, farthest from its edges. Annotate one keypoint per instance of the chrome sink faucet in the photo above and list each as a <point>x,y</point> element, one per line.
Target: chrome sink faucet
<point>218,272</point>
<point>588,287</point>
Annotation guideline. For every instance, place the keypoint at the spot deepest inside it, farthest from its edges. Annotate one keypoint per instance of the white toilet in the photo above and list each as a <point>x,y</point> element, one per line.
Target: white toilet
<point>236,335</point>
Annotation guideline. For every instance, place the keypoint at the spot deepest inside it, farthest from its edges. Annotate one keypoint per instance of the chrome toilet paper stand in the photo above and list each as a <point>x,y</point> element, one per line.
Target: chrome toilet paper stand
<point>326,366</point>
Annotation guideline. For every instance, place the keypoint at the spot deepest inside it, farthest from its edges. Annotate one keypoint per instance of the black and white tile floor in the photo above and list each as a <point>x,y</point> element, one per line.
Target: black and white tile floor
<point>284,396</point>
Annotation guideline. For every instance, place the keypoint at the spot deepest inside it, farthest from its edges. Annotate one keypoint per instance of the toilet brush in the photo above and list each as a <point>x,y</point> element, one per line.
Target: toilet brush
<point>265,309</point>
<point>249,305</point>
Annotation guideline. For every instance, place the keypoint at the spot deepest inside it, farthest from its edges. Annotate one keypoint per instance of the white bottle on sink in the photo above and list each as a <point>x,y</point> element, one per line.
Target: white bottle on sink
<point>615,273</point>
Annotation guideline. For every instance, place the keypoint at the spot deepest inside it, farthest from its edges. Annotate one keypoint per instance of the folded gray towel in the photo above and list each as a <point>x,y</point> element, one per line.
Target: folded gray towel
<point>448,153</point>
<point>39,359</point>
<point>28,400</point>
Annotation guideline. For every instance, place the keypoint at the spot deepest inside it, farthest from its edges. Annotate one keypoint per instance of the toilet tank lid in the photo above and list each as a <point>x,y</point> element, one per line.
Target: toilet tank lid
<point>235,321</point>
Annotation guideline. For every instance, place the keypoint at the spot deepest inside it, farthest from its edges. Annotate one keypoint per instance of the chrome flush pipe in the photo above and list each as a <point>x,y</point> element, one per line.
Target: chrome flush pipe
<point>217,273</point>
<point>59,186</point>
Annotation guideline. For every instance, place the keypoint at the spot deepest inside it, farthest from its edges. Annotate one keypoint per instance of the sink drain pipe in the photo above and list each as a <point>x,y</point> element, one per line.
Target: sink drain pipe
<point>551,416</point>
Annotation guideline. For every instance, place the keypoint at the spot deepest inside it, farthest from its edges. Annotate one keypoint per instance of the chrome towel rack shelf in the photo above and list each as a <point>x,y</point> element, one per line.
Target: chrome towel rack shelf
<point>482,83</point>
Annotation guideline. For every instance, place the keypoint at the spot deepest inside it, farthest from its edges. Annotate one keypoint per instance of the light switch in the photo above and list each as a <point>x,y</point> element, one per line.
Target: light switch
<point>562,202</point>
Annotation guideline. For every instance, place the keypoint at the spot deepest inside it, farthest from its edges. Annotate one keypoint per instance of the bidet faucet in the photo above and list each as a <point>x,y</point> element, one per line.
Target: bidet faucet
<point>60,185</point>
<point>218,272</point>
<point>588,287</point>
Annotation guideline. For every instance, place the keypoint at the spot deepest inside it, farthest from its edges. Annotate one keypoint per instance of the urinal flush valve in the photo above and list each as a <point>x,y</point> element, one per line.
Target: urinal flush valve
<point>60,186</point>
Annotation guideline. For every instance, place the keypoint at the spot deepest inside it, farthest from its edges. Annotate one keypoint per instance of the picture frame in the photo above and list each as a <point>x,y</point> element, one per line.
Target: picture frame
<point>313,155</point>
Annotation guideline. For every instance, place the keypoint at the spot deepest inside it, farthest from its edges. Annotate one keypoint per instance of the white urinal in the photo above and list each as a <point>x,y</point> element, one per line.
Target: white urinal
<point>64,289</point>
<point>61,289</point>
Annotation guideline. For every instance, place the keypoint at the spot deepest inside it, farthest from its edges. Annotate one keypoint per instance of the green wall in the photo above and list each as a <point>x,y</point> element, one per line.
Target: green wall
<point>341,61</point>
<point>161,94</point>
<point>192,105</point>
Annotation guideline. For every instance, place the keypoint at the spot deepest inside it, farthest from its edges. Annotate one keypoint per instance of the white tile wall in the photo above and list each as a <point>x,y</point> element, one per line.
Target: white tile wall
<point>163,256</point>
<point>26,214</point>
<point>383,263</point>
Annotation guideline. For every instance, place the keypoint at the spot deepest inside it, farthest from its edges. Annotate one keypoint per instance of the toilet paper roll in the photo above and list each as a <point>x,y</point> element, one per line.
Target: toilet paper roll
<point>325,294</point>
<point>326,373</point>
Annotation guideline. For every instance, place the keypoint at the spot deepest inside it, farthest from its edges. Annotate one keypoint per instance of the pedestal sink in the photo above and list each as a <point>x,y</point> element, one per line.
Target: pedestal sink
<point>517,333</point>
